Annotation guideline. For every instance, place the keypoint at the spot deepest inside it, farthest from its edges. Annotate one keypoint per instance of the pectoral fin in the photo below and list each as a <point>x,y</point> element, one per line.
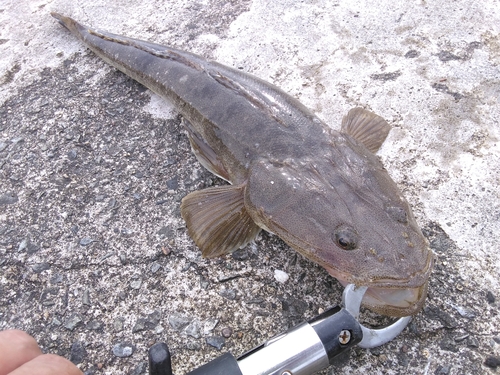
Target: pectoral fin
<point>204,153</point>
<point>217,220</point>
<point>366,127</point>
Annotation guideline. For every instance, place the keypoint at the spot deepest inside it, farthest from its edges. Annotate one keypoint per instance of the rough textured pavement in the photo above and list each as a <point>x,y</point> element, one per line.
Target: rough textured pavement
<point>95,260</point>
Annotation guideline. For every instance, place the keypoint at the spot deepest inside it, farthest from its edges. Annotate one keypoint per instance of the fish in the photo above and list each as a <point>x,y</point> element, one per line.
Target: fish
<point>323,192</point>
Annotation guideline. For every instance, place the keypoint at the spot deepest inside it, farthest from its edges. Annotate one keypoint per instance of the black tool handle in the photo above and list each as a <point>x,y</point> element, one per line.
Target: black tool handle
<point>160,363</point>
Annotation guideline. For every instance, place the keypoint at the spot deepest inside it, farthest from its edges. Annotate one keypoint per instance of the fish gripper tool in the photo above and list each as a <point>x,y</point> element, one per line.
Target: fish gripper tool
<point>303,350</point>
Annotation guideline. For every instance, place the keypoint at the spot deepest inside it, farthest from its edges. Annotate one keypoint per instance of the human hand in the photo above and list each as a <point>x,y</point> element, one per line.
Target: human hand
<point>20,355</point>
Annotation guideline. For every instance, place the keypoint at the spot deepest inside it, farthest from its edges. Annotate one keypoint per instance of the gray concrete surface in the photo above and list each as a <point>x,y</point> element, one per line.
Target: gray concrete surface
<point>94,256</point>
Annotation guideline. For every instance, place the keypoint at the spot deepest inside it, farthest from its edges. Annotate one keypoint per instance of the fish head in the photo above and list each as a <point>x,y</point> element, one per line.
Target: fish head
<point>345,213</point>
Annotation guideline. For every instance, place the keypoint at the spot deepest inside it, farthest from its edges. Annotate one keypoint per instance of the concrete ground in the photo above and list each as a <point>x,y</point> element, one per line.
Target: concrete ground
<point>95,261</point>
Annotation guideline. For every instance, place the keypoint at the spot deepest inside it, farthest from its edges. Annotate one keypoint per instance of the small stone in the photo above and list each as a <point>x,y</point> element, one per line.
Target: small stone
<point>216,341</point>
<point>281,276</point>
<point>227,332</point>
<point>73,321</point>
<point>123,259</point>
<point>72,154</point>
<point>139,369</point>
<point>204,282</point>
<point>118,324</point>
<point>78,352</point>
<point>492,362</point>
<point>136,283</point>
<point>228,293</point>
<point>40,267</point>
<point>240,254</point>
<point>193,329</point>
<point>209,325</point>
<point>411,54</point>
<point>127,232</point>
<point>178,322</point>
<point>86,297</point>
<point>472,342</point>
<point>85,241</point>
<point>465,312</point>
<point>123,350</point>
<point>155,267</point>
<point>94,325</point>
<point>173,184</point>
<point>490,297</point>
<point>442,370</point>
<point>8,198</point>
<point>57,278</point>
<point>193,345</point>
<point>448,344</point>
<point>23,245</point>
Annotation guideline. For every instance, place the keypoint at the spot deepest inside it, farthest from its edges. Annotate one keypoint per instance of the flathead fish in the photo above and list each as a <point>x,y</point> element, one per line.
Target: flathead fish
<point>324,192</point>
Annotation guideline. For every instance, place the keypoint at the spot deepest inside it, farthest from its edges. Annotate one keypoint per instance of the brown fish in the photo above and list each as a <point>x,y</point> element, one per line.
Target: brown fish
<point>324,192</point>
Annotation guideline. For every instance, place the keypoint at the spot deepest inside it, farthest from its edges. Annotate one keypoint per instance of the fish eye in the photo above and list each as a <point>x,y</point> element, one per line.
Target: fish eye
<point>346,237</point>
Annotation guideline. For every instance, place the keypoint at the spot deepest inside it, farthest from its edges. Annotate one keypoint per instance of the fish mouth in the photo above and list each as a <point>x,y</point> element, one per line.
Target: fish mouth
<point>391,301</point>
<point>395,301</point>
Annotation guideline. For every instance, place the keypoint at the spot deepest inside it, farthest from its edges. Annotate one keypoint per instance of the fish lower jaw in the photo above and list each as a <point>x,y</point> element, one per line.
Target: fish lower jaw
<point>397,302</point>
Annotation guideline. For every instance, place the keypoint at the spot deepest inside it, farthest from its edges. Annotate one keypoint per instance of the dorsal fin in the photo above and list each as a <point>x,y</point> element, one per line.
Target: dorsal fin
<point>366,127</point>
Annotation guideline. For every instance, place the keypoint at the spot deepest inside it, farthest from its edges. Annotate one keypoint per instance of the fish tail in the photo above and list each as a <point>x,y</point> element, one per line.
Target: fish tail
<point>69,23</point>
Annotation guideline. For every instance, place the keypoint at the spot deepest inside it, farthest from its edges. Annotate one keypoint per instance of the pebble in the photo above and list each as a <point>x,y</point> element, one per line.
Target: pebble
<point>193,329</point>
<point>240,254</point>
<point>193,345</point>
<point>155,267</point>
<point>40,267</point>
<point>123,350</point>
<point>72,154</point>
<point>226,332</point>
<point>118,324</point>
<point>209,325</point>
<point>149,323</point>
<point>139,369</point>
<point>465,312</point>
<point>492,362</point>
<point>8,198</point>
<point>436,313</point>
<point>86,297</point>
<point>442,370</point>
<point>73,321</point>
<point>78,352</point>
<point>94,325</point>
<point>136,283</point>
<point>490,297</point>
<point>178,322</point>
<point>216,341</point>
<point>281,276</point>
<point>85,241</point>
<point>230,294</point>
<point>173,184</point>
<point>23,245</point>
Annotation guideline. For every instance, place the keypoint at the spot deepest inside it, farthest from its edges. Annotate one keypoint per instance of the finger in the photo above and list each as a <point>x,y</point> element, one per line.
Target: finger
<point>47,364</point>
<point>16,348</point>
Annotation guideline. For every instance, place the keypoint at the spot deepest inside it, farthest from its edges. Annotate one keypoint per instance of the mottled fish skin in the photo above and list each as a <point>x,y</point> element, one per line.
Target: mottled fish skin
<point>323,192</point>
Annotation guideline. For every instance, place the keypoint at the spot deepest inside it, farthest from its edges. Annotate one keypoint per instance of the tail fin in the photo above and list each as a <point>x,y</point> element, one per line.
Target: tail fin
<point>69,23</point>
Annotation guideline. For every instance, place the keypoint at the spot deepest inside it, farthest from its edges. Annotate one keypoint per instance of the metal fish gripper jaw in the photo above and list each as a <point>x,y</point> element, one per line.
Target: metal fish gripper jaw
<point>303,350</point>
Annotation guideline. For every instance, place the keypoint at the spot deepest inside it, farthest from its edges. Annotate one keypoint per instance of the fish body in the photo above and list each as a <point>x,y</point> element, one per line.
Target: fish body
<point>324,192</point>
